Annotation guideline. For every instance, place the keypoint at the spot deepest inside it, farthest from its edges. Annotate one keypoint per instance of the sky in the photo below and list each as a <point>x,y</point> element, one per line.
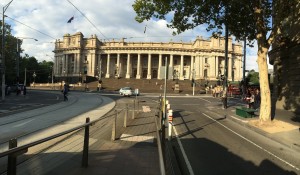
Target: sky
<point>46,21</point>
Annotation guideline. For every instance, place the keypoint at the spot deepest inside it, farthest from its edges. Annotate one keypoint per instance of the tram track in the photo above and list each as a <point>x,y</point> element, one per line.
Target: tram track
<point>42,112</point>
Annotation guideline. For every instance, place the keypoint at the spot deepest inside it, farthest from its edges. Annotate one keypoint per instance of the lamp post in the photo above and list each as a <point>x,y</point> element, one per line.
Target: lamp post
<point>18,56</point>
<point>3,54</point>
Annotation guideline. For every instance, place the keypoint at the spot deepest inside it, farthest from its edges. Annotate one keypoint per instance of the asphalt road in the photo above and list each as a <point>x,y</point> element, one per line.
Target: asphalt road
<point>212,144</point>
<point>18,121</point>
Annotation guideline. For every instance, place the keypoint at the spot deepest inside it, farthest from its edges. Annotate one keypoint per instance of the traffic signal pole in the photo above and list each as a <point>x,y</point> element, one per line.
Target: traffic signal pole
<point>225,84</point>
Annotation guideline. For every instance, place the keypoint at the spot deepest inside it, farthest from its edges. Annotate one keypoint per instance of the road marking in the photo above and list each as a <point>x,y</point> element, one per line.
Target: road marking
<point>184,154</point>
<point>282,160</point>
<point>205,100</point>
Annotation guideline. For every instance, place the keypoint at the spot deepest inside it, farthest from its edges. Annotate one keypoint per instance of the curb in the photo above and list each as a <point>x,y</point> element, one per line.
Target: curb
<point>244,123</point>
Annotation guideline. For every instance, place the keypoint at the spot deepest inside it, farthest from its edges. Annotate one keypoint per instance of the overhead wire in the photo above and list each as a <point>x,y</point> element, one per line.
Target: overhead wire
<point>88,19</point>
<point>29,27</point>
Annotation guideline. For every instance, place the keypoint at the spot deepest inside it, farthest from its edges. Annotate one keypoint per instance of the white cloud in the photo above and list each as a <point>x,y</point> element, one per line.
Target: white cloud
<point>114,19</point>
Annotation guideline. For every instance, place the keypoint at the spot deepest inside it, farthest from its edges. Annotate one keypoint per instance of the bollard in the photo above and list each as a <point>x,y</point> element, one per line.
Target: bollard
<point>85,154</point>
<point>12,159</point>
<point>170,118</point>
<point>133,109</point>
<point>114,128</point>
<point>160,117</point>
<point>125,117</point>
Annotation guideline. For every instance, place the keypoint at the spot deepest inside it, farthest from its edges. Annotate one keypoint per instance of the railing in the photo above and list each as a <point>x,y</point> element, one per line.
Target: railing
<point>14,151</point>
<point>167,158</point>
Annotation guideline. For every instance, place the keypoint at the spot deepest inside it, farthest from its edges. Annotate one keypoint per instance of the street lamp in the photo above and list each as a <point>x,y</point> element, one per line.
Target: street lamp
<point>3,54</point>
<point>18,55</point>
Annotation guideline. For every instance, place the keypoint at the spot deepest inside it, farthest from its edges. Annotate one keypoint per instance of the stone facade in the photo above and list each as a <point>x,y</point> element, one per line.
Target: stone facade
<point>285,57</point>
<point>77,57</point>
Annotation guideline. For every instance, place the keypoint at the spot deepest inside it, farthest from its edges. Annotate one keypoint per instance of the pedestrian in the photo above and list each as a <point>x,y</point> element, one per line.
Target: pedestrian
<point>251,100</point>
<point>24,90</point>
<point>18,89</point>
<point>65,92</point>
<point>257,98</point>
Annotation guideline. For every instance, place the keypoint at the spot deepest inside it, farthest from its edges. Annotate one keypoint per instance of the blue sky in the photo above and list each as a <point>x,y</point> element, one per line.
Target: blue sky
<point>46,20</point>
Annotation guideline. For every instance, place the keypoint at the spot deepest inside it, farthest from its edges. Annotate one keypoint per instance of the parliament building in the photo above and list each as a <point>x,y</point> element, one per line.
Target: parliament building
<point>78,58</point>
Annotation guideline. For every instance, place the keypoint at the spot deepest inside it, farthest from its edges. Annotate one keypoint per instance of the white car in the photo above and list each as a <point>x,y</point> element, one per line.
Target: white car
<point>125,91</point>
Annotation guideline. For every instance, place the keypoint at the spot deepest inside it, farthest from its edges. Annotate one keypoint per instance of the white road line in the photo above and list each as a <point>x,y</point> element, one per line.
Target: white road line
<point>184,154</point>
<point>263,149</point>
<point>205,100</point>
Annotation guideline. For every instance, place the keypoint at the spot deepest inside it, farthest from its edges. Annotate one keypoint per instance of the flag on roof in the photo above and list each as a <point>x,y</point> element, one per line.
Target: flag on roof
<point>71,19</point>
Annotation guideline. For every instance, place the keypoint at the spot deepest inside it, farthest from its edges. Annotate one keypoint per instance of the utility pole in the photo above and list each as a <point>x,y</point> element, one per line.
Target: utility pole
<point>244,68</point>
<point>3,51</point>
<point>25,78</point>
<point>225,86</point>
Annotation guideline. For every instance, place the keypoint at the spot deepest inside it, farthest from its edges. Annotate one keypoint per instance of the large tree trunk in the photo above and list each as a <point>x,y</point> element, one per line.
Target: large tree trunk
<point>265,105</point>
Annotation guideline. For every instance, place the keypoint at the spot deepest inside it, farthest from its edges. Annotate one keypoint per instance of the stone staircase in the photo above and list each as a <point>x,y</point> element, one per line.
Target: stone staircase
<point>146,86</point>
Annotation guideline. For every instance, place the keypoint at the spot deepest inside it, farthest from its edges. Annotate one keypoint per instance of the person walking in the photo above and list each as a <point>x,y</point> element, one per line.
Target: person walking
<point>251,100</point>
<point>24,90</point>
<point>65,92</point>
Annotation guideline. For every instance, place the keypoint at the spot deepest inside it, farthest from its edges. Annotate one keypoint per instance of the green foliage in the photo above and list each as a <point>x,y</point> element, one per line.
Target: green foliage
<point>244,18</point>
<point>43,69</point>
<point>253,77</point>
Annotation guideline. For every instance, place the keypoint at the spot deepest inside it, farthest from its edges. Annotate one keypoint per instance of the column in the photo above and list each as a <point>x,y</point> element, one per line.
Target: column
<point>67,63</point>
<point>159,66</point>
<point>128,66</point>
<point>63,65</point>
<point>107,67</point>
<point>181,68</point>
<point>229,67</point>
<point>80,63</point>
<point>93,66</point>
<point>149,67</point>
<point>193,71</point>
<point>118,65</point>
<point>171,60</point>
<point>198,67</point>
<point>138,72</point>
<point>218,65</point>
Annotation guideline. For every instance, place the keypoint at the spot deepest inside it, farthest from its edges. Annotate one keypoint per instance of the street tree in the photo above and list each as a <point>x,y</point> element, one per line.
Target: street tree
<point>255,20</point>
<point>253,77</point>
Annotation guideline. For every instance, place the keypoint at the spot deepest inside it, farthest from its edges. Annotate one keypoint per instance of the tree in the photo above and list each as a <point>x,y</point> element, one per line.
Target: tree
<point>258,20</point>
<point>253,77</point>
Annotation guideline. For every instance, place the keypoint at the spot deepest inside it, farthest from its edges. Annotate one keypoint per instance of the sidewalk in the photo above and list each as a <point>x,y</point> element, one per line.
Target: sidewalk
<point>288,133</point>
<point>134,151</point>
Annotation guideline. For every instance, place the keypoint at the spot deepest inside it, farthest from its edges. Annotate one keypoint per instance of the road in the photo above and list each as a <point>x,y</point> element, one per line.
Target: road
<point>213,144</point>
<point>208,142</point>
<point>27,125</point>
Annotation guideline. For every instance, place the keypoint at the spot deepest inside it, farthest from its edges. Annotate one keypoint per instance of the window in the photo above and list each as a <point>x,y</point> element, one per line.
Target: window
<point>206,60</point>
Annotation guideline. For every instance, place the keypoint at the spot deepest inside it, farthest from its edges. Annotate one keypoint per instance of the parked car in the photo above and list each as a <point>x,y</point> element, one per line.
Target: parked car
<point>126,91</point>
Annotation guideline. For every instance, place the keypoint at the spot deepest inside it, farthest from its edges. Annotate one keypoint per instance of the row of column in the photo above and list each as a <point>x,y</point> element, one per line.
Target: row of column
<point>196,70</point>
<point>149,65</point>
